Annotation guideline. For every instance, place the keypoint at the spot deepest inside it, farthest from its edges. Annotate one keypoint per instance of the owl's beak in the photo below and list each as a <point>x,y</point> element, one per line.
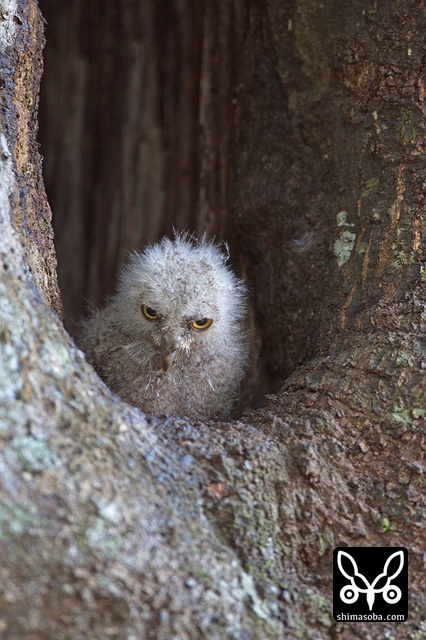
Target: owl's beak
<point>167,360</point>
<point>168,351</point>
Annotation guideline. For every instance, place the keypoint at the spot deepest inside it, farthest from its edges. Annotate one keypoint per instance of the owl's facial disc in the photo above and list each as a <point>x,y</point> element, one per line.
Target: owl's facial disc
<point>170,340</point>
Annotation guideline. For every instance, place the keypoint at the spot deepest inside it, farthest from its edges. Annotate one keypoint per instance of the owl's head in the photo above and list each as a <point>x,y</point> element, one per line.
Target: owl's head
<point>181,296</point>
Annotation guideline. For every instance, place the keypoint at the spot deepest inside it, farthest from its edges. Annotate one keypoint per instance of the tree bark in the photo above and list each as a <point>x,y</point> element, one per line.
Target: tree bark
<point>21,68</point>
<point>312,128</point>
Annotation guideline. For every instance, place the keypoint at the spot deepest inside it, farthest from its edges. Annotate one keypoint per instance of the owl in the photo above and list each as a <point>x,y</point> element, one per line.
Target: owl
<point>171,341</point>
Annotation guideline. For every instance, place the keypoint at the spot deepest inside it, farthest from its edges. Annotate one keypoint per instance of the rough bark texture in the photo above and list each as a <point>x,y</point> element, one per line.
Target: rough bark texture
<point>116,525</point>
<point>20,72</point>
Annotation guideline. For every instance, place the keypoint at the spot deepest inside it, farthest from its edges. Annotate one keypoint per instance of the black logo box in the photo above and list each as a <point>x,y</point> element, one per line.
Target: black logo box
<point>370,583</point>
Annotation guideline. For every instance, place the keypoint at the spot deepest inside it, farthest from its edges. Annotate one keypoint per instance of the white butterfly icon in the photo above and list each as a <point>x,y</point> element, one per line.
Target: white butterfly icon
<point>350,592</point>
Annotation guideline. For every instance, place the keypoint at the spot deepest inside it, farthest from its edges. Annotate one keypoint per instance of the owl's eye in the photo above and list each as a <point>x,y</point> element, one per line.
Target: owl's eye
<point>204,323</point>
<point>150,314</point>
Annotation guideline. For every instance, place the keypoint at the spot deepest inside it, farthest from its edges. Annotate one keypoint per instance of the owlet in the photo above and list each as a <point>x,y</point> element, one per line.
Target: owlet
<point>171,341</point>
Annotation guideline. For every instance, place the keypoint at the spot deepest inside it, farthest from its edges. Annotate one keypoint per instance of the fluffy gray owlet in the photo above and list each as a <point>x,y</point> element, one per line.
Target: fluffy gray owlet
<point>172,341</point>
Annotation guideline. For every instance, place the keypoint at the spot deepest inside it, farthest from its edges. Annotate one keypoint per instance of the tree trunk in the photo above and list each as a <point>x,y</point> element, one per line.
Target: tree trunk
<point>295,129</point>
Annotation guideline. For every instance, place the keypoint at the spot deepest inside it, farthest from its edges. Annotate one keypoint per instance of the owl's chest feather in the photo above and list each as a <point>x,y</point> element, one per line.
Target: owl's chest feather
<point>194,386</point>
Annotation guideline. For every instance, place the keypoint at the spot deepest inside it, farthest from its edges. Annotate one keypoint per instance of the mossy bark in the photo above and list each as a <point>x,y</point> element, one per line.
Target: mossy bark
<point>116,525</point>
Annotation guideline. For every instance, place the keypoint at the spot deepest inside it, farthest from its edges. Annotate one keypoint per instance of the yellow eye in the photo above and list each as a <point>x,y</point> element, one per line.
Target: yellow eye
<point>204,323</point>
<point>150,314</point>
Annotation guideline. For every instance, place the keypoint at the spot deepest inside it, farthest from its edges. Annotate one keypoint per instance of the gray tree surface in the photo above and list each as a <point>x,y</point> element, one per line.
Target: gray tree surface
<point>116,525</point>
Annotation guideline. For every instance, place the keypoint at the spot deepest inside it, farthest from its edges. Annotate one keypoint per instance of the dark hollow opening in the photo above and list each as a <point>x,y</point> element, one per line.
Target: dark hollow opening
<point>156,115</point>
